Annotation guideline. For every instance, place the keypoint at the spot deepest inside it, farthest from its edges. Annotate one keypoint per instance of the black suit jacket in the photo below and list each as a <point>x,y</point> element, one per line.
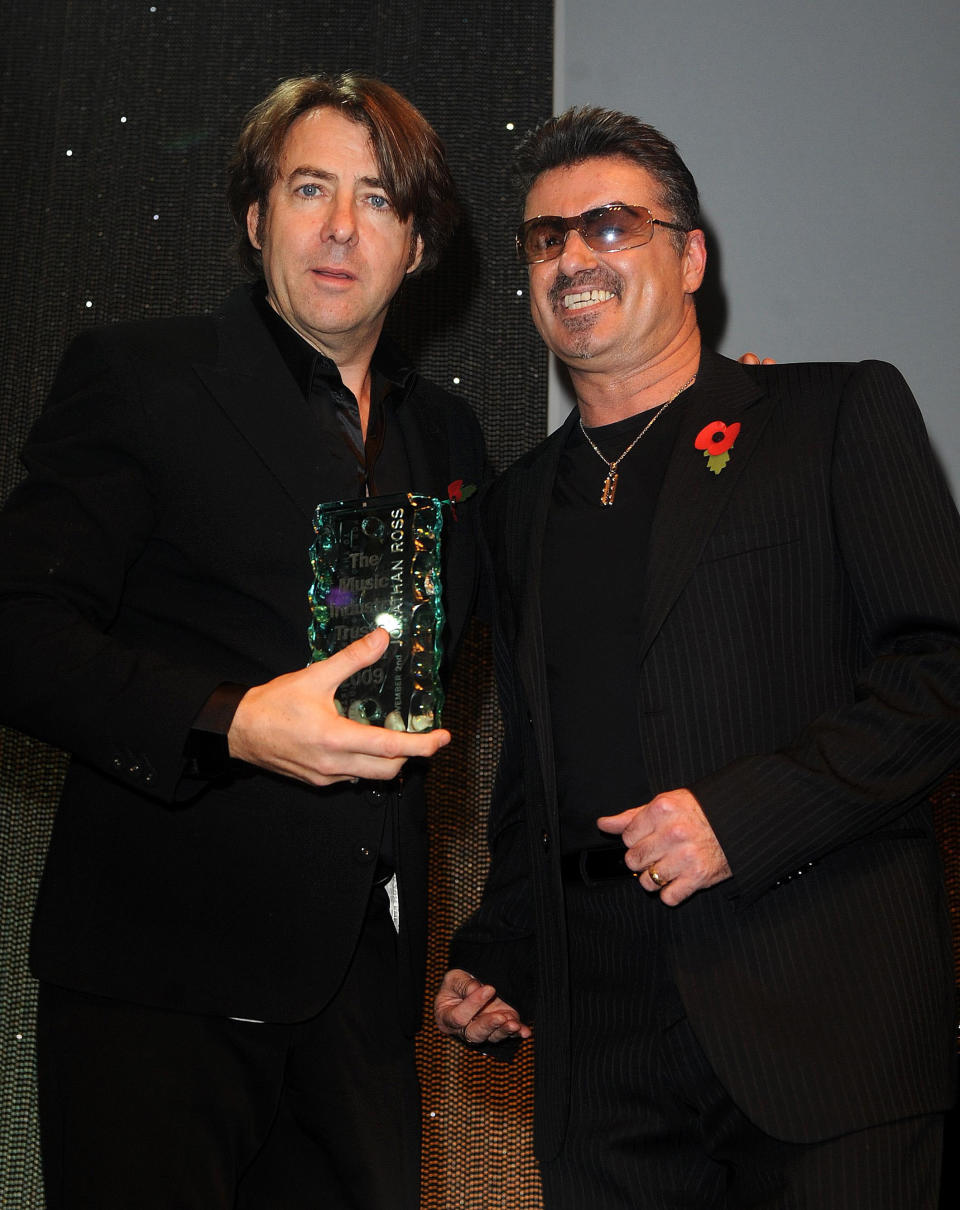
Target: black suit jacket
<point>159,547</point>
<point>798,669</point>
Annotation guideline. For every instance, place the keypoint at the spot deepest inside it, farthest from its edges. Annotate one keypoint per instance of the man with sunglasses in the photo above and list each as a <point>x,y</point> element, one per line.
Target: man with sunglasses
<point>728,644</point>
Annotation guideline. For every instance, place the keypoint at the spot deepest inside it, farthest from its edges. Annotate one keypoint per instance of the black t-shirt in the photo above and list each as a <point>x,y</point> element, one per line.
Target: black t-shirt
<point>592,592</point>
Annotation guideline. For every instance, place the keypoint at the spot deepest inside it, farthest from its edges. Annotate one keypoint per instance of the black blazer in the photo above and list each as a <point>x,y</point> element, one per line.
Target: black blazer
<point>798,668</point>
<point>157,548</point>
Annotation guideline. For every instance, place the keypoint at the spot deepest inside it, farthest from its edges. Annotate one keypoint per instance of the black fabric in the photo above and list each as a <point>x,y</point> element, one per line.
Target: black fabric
<point>594,565</point>
<point>185,565</point>
<point>147,1108</point>
<point>374,465</point>
<point>207,752</point>
<point>171,582</point>
<point>799,671</point>
<point>650,1113</point>
<point>353,467</point>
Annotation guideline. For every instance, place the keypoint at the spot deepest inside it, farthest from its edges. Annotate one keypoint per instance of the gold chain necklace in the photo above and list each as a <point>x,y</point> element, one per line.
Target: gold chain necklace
<point>610,483</point>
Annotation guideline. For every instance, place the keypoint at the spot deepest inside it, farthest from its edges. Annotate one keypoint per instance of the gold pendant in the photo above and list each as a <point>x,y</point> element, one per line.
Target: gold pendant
<point>609,488</point>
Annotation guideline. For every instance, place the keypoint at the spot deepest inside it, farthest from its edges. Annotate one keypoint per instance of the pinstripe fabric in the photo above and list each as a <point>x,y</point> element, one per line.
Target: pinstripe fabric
<point>799,670</point>
<point>651,1126</point>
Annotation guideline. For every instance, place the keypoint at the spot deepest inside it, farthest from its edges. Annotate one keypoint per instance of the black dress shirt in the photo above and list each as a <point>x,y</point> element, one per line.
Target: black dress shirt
<point>354,466</point>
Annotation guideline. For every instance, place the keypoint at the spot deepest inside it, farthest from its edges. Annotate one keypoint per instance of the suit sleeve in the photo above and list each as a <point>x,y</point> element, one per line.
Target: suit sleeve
<point>497,942</point>
<point>859,768</point>
<point>69,536</point>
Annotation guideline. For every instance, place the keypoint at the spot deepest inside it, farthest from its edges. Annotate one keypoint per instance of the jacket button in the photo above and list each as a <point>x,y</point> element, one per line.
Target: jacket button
<point>364,854</point>
<point>545,840</point>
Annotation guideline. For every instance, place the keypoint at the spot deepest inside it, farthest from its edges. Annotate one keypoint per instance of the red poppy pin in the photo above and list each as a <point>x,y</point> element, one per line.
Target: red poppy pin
<point>716,440</point>
<point>457,491</point>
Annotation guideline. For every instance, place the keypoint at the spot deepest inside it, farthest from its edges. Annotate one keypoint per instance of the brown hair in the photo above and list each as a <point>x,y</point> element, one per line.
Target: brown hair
<point>584,133</point>
<point>410,157</point>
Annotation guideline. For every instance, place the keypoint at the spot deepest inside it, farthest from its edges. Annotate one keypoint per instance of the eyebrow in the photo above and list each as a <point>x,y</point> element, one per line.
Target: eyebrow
<point>604,205</point>
<point>321,174</point>
<point>589,209</point>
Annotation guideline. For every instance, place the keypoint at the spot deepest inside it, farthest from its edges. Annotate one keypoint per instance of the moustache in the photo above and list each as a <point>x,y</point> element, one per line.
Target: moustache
<point>600,278</point>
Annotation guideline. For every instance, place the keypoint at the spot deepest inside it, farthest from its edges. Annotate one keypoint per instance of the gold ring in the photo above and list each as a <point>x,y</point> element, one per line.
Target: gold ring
<point>656,877</point>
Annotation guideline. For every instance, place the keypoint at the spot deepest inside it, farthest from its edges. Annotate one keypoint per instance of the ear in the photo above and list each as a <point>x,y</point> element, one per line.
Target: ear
<point>416,253</point>
<point>253,225</point>
<point>694,260</point>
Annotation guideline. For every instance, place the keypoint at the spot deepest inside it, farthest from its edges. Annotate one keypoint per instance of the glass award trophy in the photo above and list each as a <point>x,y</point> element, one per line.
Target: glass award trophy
<point>376,562</point>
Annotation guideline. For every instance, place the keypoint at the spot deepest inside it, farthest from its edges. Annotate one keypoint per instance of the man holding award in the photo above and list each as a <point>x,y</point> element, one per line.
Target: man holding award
<point>728,644</point>
<point>230,929</point>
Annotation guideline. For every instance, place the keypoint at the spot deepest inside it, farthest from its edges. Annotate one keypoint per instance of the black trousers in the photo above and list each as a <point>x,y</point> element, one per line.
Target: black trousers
<point>158,1110</point>
<point>652,1126</point>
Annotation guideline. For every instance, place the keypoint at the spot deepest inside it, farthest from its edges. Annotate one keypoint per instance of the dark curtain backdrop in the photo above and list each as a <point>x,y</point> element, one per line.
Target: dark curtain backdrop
<point>117,119</point>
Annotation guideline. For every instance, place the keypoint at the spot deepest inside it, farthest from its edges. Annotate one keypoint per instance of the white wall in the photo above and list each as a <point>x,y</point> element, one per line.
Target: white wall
<point>823,137</point>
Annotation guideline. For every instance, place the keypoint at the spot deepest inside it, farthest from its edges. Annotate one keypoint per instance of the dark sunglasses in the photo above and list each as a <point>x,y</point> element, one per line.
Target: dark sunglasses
<point>613,228</point>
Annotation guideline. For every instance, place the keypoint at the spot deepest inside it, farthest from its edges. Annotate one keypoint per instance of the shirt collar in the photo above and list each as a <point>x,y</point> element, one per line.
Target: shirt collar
<point>389,364</point>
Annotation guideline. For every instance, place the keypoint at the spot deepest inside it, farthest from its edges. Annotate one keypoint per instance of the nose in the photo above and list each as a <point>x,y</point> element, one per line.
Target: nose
<point>341,221</point>
<point>577,255</point>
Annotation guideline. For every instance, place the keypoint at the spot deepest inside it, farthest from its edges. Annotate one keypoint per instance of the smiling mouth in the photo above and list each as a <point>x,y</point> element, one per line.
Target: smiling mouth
<point>586,298</point>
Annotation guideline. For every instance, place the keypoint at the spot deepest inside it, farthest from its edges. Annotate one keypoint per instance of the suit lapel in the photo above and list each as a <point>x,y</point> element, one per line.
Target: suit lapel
<point>691,500</point>
<point>527,519</point>
<point>253,386</point>
<point>692,497</point>
<point>528,523</point>
<point>427,445</point>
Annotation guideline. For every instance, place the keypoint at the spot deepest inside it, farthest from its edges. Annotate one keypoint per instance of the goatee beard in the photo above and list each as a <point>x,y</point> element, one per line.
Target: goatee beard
<point>580,324</point>
<point>600,278</point>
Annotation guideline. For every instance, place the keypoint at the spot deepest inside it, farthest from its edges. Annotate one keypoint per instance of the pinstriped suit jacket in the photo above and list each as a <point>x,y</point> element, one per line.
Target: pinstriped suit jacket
<point>798,668</point>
